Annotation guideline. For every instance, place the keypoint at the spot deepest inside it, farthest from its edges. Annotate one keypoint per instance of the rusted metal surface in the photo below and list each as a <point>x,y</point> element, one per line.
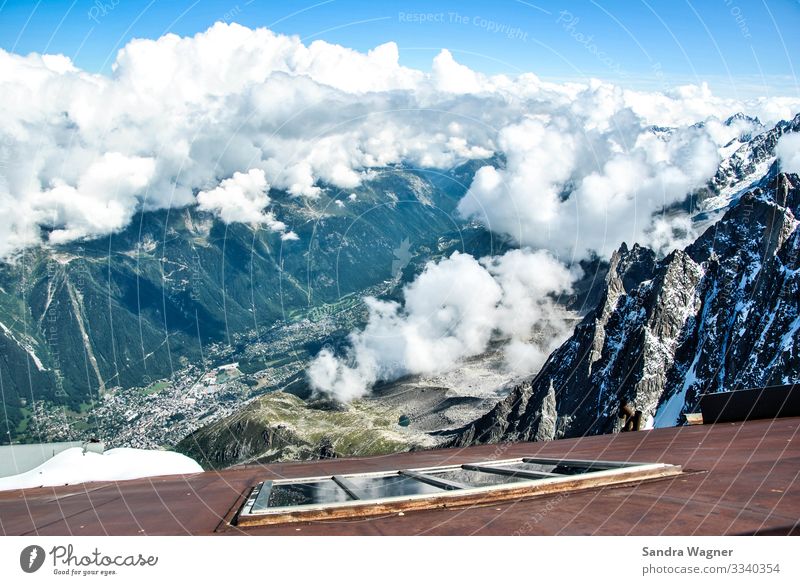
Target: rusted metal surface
<point>739,478</point>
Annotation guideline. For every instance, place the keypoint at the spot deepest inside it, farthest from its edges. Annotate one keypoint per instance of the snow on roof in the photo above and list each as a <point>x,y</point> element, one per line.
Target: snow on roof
<point>74,466</point>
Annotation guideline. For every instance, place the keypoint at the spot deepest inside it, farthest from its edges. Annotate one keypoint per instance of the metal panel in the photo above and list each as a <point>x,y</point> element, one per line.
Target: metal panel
<point>511,471</point>
<point>345,484</point>
<point>260,500</point>
<point>439,482</point>
<point>739,405</point>
<point>592,464</point>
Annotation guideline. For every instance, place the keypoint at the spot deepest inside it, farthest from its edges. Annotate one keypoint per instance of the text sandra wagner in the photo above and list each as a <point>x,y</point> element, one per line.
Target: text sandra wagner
<point>689,551</point>
<point>66,556</point>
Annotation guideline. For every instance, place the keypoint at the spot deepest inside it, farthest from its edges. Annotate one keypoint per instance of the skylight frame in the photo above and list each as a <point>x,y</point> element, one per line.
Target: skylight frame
<point>608,473</point>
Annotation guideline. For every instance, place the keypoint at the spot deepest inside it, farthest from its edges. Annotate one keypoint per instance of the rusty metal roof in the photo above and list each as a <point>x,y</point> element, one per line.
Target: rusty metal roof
<point>740,478</point>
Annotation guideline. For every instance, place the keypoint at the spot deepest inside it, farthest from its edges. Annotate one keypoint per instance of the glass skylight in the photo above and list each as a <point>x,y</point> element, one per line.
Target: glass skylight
<point>364,494</point>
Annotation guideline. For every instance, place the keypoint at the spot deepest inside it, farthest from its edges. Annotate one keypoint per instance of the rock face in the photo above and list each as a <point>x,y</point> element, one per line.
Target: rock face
<point>722,314</point>
<point>748,162</point>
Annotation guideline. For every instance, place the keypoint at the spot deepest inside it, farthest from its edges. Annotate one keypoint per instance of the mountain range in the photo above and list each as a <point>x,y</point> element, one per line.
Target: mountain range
<point>181,289</point>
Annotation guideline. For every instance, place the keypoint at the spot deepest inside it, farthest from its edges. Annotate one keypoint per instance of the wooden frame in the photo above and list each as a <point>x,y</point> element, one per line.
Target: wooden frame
<point>454,494</point>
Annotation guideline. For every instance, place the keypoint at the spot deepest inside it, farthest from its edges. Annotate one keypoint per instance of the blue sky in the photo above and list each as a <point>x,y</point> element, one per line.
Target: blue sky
<point>741,47</point>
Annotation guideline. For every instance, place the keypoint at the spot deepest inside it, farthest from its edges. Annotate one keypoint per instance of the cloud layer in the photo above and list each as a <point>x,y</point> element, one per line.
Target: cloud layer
<point>183,120</point>
<point>577,190</point>
<point>451,311</point>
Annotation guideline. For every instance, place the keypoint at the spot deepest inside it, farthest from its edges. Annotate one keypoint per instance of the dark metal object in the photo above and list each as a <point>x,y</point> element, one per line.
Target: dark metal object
<point>511,471</point>
<point>740,405</point>
<point>347,486</point>
<point>439,482</point>
<point>587,463</point>
<point>260,497</point>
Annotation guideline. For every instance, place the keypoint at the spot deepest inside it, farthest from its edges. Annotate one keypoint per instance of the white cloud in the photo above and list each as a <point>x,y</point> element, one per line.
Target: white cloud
<point>577,191</point>
<point>103,201</point>
<point>451,311</point>
<point>453,77</point>
<point>788,151</point>
<point>688,104</point>
<point>180,114</point>
<point>723,133</point>
<point>671,233</point>
<point>242,198</point>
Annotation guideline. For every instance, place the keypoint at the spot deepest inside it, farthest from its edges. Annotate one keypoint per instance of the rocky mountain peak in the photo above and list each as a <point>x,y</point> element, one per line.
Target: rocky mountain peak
<point>722,314</point>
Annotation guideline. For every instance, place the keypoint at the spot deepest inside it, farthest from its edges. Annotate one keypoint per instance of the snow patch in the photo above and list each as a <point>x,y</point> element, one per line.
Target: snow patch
<point>74,466</point>
<point>731,194</point>
<point>668,413</point>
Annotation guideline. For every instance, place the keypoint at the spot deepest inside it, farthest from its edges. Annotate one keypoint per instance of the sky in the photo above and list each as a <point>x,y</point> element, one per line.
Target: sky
<point>742,48</point>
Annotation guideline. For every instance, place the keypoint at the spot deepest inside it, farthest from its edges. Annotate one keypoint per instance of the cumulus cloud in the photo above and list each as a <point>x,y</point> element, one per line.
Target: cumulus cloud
<point>81,153</point>
<point>451,76</point>
<point>104,199</point>
<point>451,311</point>
<point>577,190</point>
<point>788,151</point>
<point>242,198</point>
